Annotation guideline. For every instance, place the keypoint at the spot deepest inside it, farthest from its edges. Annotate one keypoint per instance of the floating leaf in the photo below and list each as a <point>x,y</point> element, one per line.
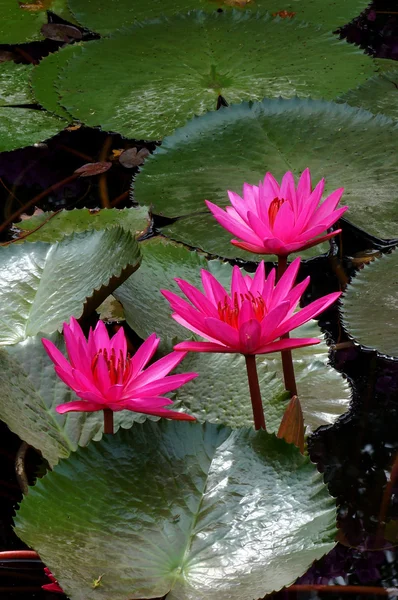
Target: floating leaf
<point>43,284</point>
<point>379,94</point>
<point>323,392</point>
<point>133,158</point>
<point>290,58</point>
<point>105,16</point>
<point>370,305</point>
<point>14,84</point>
<point>30,392</point>
<point>44,76</point>
<point>195,512</point>
<point>221,150</point>
<point>53,227</point>
<point>22,21</point>
<point>96,168</point>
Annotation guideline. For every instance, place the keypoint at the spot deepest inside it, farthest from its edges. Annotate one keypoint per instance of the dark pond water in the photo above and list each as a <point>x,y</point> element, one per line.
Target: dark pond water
<point>355,455</point>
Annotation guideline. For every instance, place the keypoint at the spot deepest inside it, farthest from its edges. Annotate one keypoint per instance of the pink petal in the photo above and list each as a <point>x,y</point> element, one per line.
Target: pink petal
<point>270,323</point>
<point>56,355</point>
<point>101,337</point>
<point>287,344</point>
<point>198,299</point>
<point>102,378</point>
<point>309,207</point>
<point>144,353</point>
<point>271,184</point>
<point>288,189</point>
<point>327,207</point>
<point>238,284</point>
<point>298,246</point>
<point>249,337</point>
<point>285,284</point>
<point>77,406</point>
<point>303,188</point>
<point>260,228</point>
<point>307,313</point>
<point>93,398</point>
<point>250,196</point>
<point>119,343</point>
<point>246,313</point>
<point>159,369</point>
<point>203,347</point>
<point>71,343</point>
<point>255,248</point>
<point>284,222</point>
<point>233,226</point>
<point>181,321</point>
<point>296,293</point>
<point>162,386</point>
<point>67,377</point>
<point>238,205</point>
<point>258,281</point>
<point>213,288</point>
<point>222,332</point>
<point>269,288</point>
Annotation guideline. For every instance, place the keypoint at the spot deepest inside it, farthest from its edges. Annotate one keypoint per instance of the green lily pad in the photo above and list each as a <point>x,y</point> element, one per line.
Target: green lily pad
<point>195,512</point>
<point>379,94</point>
<point>106,16</point>
<point>290,58</point>
<point>222,150</point>
<point>221,393</point>
<point>31,390</point>
<point>369,306</point>
<point>43,284</point>
<point>45,74</point>
<point>54,228</point>
<point>14,84</point>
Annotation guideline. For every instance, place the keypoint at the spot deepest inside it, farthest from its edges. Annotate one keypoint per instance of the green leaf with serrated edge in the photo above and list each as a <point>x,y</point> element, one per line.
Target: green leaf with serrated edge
<point>54,228</point>
<point>205,233</point>
<point>14,84</point>
<point>31,390</point>
<point>290,58</point>
<point>105,16</point>
<point>195,512</point>
<point>222,150</point>
<point>221,394</point>
<point>20,127</point>
<point>379,94</point>
<point>44,77</point>
<point>43,284</point>
<point>370,304</point>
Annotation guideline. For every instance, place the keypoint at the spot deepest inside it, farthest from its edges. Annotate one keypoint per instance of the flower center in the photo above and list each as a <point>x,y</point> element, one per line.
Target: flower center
<point>229,310</point>
<point>274,209</point>
<point>119,368</point>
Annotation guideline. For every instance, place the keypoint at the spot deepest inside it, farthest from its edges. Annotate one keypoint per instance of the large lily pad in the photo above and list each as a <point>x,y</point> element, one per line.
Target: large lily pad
<point>222,150</point>
<point>370,305</point>
<point>290,58</point>
<point>54,228</point>
<point>43,284</point>
<point>105,16</point>
<point>379,94</point>
<point>30,392</point>
<point>195,512</point>
<point>221,393</point>
<point>20,127</point>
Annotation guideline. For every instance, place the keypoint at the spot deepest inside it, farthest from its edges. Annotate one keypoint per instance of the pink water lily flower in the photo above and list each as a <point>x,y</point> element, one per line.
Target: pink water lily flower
<point>280,219</point>
<point>104,376</point>
<point>250,318</point>
<point>54,585</point>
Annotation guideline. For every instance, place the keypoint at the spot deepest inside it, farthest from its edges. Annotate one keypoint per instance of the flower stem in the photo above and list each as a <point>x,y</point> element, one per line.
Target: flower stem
<point>287,360</point>
<point>255,394</point>
<point>108,421</point>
